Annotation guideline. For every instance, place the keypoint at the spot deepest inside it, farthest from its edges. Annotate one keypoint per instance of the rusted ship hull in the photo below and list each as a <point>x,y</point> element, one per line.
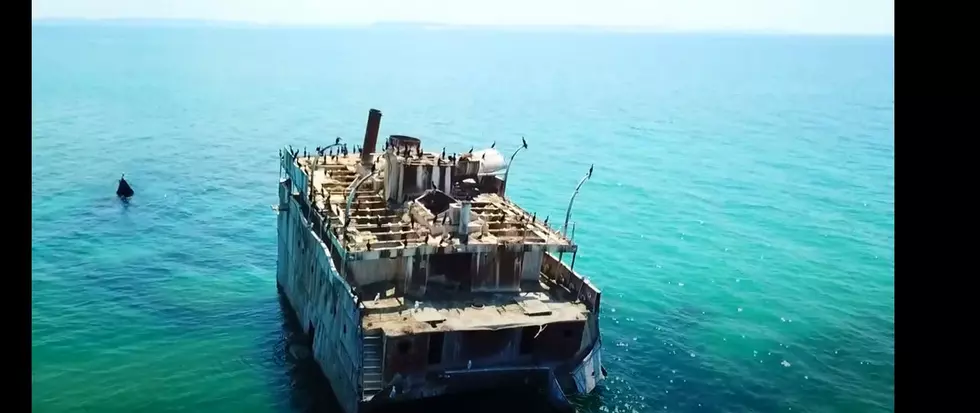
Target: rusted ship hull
<point>393,315</point>
<point>584,378</point>
<point>308,278</point>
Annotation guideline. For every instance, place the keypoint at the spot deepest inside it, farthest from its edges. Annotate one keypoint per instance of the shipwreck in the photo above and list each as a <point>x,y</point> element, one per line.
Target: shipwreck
<point>413,275</point>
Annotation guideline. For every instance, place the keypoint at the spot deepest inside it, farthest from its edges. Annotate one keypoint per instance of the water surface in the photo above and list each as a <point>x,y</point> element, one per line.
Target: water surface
<point>740,219</point>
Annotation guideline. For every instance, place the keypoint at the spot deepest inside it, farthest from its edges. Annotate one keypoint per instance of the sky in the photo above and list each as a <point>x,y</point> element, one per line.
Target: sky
<point>794,16</point>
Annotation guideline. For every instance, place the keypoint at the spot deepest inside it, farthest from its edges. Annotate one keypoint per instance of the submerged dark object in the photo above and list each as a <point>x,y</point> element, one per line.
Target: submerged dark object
<point>124,190</point>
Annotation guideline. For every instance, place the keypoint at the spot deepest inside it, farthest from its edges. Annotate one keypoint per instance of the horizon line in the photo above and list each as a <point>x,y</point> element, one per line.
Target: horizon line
<point>539,27</point>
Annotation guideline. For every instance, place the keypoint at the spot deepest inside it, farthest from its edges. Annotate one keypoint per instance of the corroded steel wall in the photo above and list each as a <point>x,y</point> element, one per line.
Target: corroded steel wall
<point>321,300</point>
<point>564,276</point>
<point>559,341</point>
<point>292,169</point>
<point>589,373</point>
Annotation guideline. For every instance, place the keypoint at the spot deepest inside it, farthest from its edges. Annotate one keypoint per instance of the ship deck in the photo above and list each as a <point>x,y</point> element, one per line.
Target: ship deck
<point>454,311</point>
<point>375,226</point>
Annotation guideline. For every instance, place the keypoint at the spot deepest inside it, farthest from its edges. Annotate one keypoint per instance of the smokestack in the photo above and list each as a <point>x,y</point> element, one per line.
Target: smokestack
<point>370,137</point>
<point>464,222</point>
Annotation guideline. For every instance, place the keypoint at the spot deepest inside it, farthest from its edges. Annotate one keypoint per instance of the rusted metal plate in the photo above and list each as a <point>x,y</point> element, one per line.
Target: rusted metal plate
<point>486,345</point>
<point>533,306</point>
<point>429,315</point>
<point>485,276</point>
<point>509,269</point>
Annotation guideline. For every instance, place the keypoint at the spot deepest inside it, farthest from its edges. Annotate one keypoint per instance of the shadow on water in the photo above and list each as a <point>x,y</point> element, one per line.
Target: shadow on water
<point>309,390</point>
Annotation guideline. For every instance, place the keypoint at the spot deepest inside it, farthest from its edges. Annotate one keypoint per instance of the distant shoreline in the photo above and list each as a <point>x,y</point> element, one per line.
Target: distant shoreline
<point>192,23</point>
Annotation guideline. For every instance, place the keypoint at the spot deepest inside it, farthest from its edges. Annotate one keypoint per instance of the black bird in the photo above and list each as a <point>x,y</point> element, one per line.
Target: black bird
<point>471,150</point>
<point>524,142</point>
<point>590,170</point>
<point>534,217</point>
<point>493,144</point>
<point>484,157</point>
<point>433,183</point>
<point>546,219</point>
<point>338,141</point>
<point>124,191</point>
<point>443,153</point>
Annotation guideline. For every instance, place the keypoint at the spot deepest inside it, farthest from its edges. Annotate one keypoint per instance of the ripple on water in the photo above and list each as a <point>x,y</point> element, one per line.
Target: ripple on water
<point>741,210</point>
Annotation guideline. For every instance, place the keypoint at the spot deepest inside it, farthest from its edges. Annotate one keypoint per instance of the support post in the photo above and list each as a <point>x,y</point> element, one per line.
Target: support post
<point>568,211</point>
<point>510,163</point>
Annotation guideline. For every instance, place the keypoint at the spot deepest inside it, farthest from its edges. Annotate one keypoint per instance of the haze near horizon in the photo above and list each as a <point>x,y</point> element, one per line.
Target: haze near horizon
<point>871,17</point>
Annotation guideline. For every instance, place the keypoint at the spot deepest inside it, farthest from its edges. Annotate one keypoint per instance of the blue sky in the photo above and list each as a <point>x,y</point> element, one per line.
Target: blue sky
<point>798,16</point>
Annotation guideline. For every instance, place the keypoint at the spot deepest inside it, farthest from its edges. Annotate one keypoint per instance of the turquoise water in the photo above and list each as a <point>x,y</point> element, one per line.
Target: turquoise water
<point>740,219</point>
